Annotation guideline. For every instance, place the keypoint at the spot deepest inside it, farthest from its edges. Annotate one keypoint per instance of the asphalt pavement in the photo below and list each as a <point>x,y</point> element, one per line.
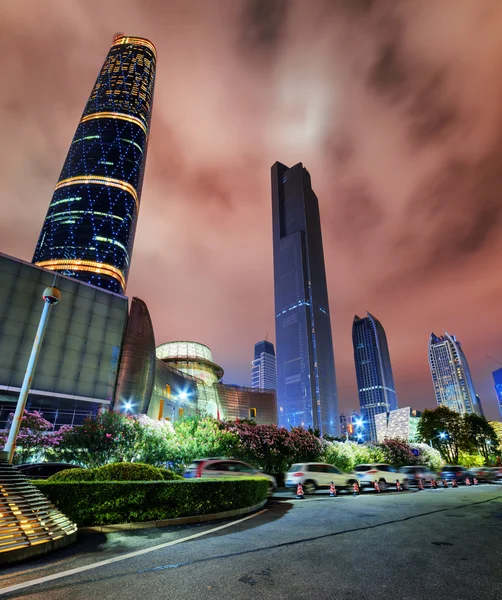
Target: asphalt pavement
<point>409,545</point>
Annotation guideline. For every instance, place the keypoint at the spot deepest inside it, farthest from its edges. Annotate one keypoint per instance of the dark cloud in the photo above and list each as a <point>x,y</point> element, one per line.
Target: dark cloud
<point>262,26</point>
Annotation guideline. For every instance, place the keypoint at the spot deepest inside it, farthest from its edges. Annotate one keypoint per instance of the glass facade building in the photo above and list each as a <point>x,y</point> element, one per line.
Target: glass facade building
<point>399,424</point>
<point>89,229</point>
<point>451,376</point>
<point>497,379</point>
<point>77,368</point>
<point>375,382</point>
<point>263,373</point>
<point>306,382</point>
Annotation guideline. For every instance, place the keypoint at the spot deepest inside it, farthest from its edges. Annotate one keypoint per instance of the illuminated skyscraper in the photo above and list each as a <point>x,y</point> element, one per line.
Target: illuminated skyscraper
<point>263,375</point>
<point>497,378</point>
<point>451,376</point>
<point>306,383</point>
<point>375,382</point>
<point>89,229</point>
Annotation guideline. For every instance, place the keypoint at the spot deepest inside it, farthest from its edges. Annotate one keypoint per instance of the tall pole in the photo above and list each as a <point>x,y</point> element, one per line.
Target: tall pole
<point>51,296</point>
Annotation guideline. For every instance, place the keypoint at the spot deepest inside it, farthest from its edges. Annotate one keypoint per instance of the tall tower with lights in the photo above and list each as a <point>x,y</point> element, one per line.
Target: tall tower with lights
<point>263,375</point>
<point>306,382</point>
<point>89,229</point>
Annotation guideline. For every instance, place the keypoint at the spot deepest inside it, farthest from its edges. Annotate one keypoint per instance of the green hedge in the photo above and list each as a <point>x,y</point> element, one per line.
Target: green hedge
<point>103,502</point>
<point>122,471</point>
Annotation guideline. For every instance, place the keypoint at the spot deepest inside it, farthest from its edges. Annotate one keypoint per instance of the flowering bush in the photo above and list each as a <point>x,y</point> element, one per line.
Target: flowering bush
<point>428,456</point>
<point>346,455</point>
<point>398,453</point>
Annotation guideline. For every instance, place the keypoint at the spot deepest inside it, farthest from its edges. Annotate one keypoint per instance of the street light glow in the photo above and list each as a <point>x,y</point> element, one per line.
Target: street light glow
<point>359,422</point>
<point>182,395</point>
<point>127,406</point>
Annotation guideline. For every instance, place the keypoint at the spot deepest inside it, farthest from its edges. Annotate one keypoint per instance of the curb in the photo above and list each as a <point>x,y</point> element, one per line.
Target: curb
<point>168,522</point>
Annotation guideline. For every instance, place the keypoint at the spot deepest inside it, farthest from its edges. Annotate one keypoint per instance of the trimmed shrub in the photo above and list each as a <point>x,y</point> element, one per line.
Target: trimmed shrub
<point>74,475</point>
<point>169,475</point>
<point>104,502</point>
<point>124,471</point>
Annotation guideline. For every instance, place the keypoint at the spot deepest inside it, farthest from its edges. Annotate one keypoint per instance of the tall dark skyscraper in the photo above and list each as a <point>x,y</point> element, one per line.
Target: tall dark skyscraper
<point>306,382</point>
<point>375,382</point>
<point>89,229</point>
<point>263,375</point>
<point>497,378</point>
<point>451,376</point>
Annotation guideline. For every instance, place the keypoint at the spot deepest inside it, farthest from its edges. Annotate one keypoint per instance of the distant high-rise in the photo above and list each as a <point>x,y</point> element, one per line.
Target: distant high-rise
<point>451,376</point>
<point>306,382</point>
<point>497,378</point>
<point>89,229</point>
<point>263,375</point>
<point>375,382</point>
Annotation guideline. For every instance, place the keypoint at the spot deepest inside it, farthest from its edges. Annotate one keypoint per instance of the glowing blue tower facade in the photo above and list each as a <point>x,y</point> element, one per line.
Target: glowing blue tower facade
<point>89,229</point>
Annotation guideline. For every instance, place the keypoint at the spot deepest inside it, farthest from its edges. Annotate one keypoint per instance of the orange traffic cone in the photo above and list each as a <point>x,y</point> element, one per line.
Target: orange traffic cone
<point>355,489</point>
<point>376,486</point>
<point>445,483</point>
<point>434,484</point>
<point>299,492</point>
<point>420,484</point>
<point>475,481</point>
<point>467,481</point>
<point>332,490</point>
<point>398,486</point>
<point>454,483</point>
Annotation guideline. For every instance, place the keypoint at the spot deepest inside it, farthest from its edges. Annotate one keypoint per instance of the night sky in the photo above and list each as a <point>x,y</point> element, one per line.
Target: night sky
<point>395,108</point>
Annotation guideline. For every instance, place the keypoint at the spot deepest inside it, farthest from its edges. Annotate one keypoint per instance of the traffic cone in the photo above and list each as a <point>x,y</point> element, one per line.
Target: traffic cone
<point>398,486</point>
<point>355,489</point>
<point>299,492</point>
<point>376,486</point>
<point>445,483</point>
<point>454,484</point>
<point>467,481</point>
<point>434,484</point>
<point>475,481</point>
<point>420,484</point>
<point>332,490</point>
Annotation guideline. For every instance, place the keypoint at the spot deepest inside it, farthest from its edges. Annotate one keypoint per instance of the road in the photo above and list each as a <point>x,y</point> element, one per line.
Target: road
<point>410,545</point>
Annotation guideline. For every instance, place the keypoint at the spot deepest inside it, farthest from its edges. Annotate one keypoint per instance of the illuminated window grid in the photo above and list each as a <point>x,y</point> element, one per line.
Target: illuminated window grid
<point>137,41</point>
<point>115,115</point>
<point>100,180</point>
<point>84,265</point>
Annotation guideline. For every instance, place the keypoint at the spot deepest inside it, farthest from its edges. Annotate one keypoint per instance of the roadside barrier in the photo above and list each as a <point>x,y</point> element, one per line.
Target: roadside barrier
<point>454,484</point>
<point>376,486</point>
<point>332,490</point>
<point>467,481</point>
<point>355,489</point>
<point>399,487</point>
<point>299,492</point>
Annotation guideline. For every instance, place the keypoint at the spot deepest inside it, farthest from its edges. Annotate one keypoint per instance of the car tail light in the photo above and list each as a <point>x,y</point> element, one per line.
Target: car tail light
<point>200,466</point>
<point>372,471</point>
<point>298,474</point>
<point>459,474</point>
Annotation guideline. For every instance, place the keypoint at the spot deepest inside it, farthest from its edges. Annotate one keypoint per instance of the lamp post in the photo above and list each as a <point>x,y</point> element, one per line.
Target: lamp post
<point>51,297</point>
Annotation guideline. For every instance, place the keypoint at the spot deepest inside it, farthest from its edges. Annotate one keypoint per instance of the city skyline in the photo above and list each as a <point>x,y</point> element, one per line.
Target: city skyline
<point>409,201</point>
<point>306,380</point>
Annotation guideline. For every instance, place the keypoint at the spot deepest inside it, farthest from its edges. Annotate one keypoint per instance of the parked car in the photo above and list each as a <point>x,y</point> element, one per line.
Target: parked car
<point>451,472</point>
<point>416,473</point>
<point>217,468</point>
<point>386,475</point>
<point>43,470</point>
<point>497,474</point>
<point>482,474</point>
<point>315,476</point>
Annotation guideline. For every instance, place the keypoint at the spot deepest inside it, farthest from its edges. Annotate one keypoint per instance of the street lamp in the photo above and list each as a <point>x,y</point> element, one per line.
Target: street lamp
<point>127,406</point>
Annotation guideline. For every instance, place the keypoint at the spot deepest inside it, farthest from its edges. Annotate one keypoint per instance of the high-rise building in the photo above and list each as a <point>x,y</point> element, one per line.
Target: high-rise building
<point>497,379</point>
<point>306,382</point>
<point>375,382</point>
<point>451,376</point>
<point>89,229</point>
<point>399,424</point>
<point>263,374</point>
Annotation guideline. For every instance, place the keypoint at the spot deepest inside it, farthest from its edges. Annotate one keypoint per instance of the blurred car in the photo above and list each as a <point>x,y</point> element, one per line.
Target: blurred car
<point>43,470</point>
<point>497,474</point>
<point>451,472</point>
<point>217,468</point>
<point>386,475</point>
<point>416,473</point>
<point>482,474</point>
<point>314,476</point>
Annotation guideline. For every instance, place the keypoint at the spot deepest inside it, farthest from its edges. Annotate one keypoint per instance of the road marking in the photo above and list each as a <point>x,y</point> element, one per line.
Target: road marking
<point>110,561</point>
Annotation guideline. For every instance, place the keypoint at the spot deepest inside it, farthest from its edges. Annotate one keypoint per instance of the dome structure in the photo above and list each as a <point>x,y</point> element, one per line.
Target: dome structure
<point>192,358</point>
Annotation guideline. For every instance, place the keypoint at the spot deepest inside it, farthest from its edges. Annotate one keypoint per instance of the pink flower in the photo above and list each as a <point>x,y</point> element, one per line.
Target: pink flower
<point>108,435</point>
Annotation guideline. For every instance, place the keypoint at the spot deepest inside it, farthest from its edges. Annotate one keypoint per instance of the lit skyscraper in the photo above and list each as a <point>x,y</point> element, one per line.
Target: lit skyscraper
<point>497,378</point>
<point>89,229</point>
<point>451,376</point>
<point>263,375</point>
<point>375,382</point>
<point>306,382</point>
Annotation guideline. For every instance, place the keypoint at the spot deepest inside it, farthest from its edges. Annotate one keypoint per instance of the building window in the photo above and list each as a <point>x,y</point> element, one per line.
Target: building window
<point>252,413</point>
<point>180,412</point>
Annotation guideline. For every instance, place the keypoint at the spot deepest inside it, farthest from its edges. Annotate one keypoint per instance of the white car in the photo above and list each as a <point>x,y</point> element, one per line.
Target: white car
<point>216,468</point>
<point>386,475</point>
<point>314,476</point>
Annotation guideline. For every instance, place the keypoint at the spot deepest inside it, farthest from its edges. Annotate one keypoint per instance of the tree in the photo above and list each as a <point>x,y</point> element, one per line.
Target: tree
<point>480,435</point>
<point>33,438</point>
<point>398,453</point>
<point>445,430</point>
